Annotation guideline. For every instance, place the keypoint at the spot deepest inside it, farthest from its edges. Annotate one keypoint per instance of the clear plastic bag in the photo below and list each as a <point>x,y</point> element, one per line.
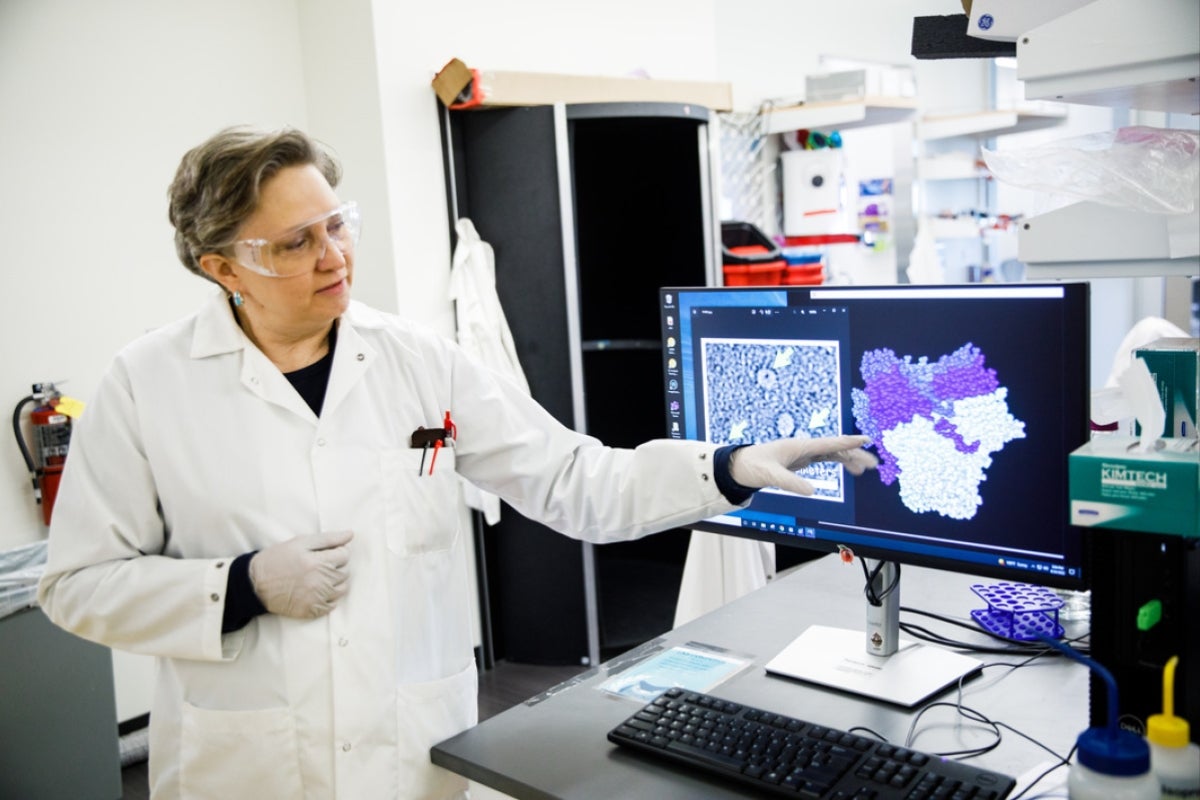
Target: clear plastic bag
<point>20,570</point>
<point>1136,167</point>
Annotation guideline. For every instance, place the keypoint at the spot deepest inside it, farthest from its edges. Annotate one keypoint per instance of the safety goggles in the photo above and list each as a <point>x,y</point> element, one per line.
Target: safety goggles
<point>299,250</point>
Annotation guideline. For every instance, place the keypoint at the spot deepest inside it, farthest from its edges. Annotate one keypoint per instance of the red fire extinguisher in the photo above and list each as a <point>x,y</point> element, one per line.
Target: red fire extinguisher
<point>51,438</point>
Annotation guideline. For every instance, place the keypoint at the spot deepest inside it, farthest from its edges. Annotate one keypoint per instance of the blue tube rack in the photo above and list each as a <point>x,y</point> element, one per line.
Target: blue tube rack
<point>1021,611</point>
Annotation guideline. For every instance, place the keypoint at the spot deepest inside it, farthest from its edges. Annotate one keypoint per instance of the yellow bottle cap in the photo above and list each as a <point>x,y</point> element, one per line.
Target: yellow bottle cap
<point>1166,729</point>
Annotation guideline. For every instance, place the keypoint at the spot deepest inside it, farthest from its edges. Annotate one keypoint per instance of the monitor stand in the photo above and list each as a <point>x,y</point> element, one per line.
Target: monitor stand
<point>884,667</point>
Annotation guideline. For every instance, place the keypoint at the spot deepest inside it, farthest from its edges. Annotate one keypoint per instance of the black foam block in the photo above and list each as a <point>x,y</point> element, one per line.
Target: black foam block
<point>946,37</point>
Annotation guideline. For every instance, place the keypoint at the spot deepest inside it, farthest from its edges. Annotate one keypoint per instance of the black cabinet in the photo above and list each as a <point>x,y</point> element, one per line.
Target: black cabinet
<point>590,209</point>
<point>59,724</point>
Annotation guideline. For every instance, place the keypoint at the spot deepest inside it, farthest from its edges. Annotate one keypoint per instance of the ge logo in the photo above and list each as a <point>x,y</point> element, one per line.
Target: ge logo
<point>986,21</point>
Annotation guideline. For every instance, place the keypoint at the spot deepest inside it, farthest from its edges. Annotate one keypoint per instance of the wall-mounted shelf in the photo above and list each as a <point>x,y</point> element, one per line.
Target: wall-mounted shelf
<point>956,228</point>
<point>840,115</point>
<point>1115,53</point>
<point>1090,240</point>
<point>986,124</point>
<point>950,168</point>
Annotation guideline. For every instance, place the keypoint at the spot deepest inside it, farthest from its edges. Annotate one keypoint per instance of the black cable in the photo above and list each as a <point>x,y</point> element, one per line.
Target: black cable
<point>995,725</point>
<point>864,728</point>
<point>918,632</point>
<point>869,588</point>
<point>1029,646</point>
<point>1062,763</point>
<point>964,711</point>
<point>21,438</point>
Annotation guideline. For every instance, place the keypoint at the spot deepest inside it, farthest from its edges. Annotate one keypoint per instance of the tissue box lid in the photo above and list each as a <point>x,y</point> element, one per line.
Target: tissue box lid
<point>1155,492</point>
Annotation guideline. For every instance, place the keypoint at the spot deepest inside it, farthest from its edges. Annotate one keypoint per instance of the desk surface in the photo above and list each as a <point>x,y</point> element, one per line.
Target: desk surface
<point>554,745</point>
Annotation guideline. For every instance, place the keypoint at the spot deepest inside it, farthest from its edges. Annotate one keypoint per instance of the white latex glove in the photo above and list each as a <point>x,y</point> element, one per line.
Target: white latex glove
<point>302,577</point>
<point>775,463</point>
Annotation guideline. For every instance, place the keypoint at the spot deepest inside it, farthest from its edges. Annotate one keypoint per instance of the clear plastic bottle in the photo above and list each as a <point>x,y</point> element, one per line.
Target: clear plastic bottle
<point>1110,764</point>
<point>1174,759</point>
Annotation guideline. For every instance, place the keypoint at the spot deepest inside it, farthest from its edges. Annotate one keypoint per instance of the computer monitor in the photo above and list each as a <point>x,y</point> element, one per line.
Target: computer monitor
<point>972,395</point>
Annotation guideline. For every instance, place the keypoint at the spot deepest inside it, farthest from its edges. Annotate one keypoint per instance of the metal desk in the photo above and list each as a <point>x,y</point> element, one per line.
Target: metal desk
<point>554,746</point>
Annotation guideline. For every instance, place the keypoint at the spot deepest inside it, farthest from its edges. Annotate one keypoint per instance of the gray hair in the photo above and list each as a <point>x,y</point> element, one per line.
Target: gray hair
<point>218,184</point>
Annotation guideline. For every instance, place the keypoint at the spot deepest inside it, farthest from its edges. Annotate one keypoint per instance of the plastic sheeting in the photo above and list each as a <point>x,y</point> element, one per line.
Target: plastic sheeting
<point>20,570</point>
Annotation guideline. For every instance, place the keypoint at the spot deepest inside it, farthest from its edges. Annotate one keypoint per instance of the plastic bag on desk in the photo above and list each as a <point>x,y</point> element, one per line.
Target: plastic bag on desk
<point>20,570</point>
<point>1138,167</point>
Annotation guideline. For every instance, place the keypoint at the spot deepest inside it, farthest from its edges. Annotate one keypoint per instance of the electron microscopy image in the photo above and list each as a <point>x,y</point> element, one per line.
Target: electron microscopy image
<point>759,390</point>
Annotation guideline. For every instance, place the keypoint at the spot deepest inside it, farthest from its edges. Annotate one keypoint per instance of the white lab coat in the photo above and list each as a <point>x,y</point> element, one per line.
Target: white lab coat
<point>482,329</point>
<point>719,569</point>
<point>196,449</point>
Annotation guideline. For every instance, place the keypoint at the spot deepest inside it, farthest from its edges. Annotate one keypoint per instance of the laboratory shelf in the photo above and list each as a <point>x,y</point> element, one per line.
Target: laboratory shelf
<point>1090,240</point>
<point>954,228</point>
<point>840,114</point>
<point>986,124</point>
<point>1114,53</point>
<point>950,168</point>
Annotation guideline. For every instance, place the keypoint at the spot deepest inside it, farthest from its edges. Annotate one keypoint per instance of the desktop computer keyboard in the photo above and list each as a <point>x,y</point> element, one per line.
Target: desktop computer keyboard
<point>794,758</point>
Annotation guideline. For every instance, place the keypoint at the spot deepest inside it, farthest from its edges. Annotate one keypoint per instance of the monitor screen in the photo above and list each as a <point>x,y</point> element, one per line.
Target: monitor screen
<point>973,396</point>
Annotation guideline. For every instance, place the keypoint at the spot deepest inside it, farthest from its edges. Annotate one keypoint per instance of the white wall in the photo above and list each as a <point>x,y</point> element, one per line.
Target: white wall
<point>100,99</point>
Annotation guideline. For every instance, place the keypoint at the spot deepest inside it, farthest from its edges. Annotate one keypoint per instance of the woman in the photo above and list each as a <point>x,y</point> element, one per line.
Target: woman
<point>264,496</point>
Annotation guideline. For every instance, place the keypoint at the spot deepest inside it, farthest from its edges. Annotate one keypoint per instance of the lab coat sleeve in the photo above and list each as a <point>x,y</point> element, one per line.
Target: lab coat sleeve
<point>106,579</point>
<point>508,444</point>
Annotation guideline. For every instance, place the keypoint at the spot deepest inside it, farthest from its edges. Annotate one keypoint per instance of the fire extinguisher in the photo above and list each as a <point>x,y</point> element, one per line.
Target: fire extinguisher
<point>51,437</point>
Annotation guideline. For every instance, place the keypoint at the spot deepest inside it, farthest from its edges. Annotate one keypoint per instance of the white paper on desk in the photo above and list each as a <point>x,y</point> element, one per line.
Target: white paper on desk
<point>695,669</point>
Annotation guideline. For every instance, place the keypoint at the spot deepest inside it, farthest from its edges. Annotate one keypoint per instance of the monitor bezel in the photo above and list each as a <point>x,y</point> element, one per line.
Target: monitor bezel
<point>1076,297</point>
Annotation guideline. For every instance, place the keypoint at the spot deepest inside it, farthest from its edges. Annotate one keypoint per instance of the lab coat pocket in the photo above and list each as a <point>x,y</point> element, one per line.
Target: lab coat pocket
<point>428,713</point>
<point>421,499</point>
<point>213,750</point>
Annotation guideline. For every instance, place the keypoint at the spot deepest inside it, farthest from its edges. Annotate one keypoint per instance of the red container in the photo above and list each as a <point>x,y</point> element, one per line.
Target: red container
<point>804,274</point>
<point>769,273</point>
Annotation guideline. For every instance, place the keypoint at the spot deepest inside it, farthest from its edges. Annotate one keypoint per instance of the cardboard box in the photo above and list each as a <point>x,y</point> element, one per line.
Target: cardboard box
<point>1113,486</point>
<point>1174,363</point>
<point>459,86</point>
<point>867,81</point>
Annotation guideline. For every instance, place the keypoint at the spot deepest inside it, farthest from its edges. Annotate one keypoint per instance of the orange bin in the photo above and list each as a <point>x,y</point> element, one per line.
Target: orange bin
<point>804,274</point>
<point>768,273</point>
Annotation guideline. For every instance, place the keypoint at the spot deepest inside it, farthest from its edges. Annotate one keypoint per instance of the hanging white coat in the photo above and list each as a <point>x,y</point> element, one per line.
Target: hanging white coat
<point>195,449</point>
<point>482,329</point>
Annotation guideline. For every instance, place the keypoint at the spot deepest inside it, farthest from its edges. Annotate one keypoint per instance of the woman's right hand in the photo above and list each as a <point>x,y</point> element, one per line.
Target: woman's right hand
<point>303,577</point>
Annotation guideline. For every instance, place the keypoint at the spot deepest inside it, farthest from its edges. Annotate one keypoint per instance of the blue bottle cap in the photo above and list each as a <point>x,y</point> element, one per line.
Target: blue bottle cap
<point>1120,753</point>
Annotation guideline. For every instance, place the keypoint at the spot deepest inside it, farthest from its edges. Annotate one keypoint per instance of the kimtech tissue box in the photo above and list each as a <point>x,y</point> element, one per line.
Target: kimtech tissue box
<point>1174,363</point>
<point>1115,485</point>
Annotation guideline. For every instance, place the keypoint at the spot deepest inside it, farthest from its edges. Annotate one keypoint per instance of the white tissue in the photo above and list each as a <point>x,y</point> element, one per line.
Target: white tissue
<point>924,263</point>
<point>1137,387</point>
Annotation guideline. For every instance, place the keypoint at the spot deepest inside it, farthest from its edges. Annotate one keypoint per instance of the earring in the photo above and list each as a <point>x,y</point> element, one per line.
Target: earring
<point>238,300</point>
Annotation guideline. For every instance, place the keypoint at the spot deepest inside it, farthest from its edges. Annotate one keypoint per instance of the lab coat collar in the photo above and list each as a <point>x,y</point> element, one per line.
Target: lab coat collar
<point>217,332</point>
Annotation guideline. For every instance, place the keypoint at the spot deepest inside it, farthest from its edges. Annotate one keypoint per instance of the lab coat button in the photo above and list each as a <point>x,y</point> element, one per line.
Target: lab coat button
<point>703,476</point>
<point>346,747</point>
<point>342,642</point>
<point>214,597</point>
<point>220,564</point>
<point>703,456</point>
<point>320,442</point>
<point>360,356</point>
